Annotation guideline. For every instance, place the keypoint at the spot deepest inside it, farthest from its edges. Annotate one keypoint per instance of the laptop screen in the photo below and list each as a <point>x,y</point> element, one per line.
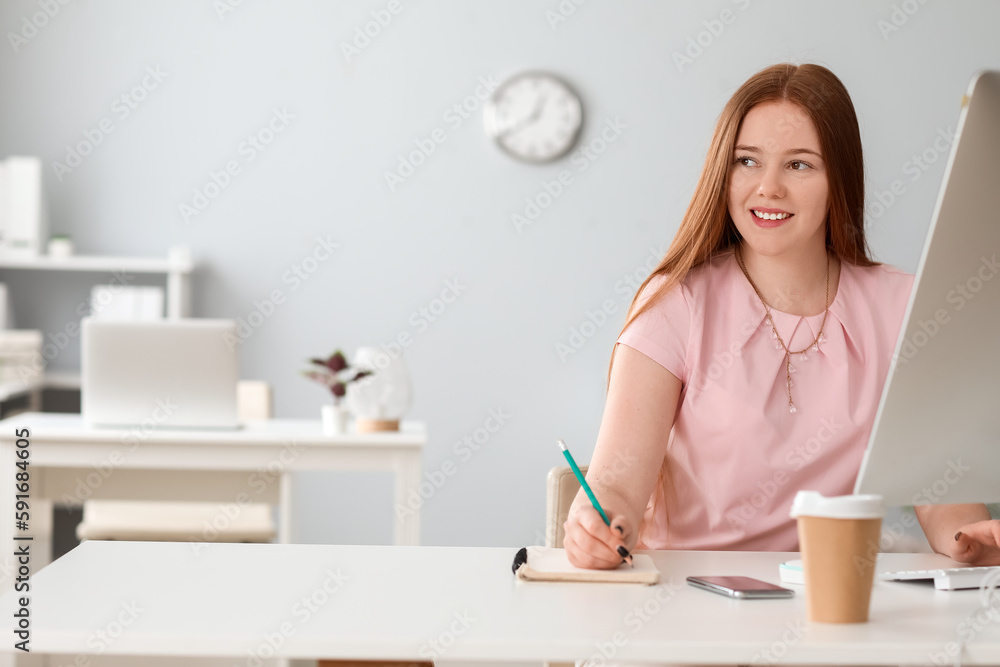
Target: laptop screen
<point>159,374</point>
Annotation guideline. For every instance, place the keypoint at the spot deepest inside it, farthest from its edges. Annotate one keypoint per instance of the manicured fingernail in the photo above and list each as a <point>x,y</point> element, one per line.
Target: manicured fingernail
<point>520,558</point>
<point>621,531</point>
<point>958,535</point>
<point>623,552</point>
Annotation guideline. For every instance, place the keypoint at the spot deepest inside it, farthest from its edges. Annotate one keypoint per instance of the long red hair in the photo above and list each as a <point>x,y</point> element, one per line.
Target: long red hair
<point>707,228</point>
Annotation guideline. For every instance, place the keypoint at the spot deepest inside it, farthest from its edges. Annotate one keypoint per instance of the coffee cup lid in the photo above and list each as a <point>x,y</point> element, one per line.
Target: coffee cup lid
<point>813,503</point>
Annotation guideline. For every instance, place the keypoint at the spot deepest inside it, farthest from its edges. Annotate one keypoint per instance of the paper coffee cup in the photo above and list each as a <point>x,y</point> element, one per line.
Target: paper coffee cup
<point>839,539</point>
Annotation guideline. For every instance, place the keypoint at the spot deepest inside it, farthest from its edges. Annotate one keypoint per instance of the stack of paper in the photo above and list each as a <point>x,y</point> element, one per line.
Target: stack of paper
<point>20,355</point>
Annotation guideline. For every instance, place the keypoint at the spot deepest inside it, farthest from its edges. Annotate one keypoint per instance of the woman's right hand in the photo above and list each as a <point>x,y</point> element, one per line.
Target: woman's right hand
<point>639,413</point>
<point>591,543</point>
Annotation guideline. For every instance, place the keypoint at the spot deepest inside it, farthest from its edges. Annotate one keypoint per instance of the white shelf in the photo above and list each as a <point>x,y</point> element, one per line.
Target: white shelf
<point>177,266</point>
<point>178,261</point>
<point>13,388</point>
<point>95,263</point>
<point>60,380</point>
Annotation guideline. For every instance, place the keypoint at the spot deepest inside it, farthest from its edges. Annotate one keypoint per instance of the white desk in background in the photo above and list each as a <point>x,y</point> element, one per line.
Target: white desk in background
<point>242,601</point>
<point>69,460</point>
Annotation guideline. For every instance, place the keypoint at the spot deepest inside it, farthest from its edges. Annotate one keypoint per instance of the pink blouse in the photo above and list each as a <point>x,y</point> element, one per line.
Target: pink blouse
<point>736,456</point>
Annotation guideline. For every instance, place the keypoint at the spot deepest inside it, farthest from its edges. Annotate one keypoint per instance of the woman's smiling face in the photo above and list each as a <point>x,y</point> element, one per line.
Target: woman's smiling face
<point>778,189</point>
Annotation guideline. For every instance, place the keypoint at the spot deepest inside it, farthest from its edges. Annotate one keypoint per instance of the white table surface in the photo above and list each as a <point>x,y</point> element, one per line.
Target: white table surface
<point>392,602</point>
<point>68,458</point>
<point>62,427</point>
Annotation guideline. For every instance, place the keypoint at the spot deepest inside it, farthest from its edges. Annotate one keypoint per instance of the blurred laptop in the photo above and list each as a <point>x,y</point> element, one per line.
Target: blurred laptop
<point>159,374</point>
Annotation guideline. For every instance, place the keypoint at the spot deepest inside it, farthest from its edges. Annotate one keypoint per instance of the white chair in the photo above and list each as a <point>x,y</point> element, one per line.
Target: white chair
<point>174,521</point>
<point>560,490</point>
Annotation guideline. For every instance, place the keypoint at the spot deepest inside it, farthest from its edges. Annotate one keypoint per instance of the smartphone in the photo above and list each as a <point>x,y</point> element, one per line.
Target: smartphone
<point>744,588</point>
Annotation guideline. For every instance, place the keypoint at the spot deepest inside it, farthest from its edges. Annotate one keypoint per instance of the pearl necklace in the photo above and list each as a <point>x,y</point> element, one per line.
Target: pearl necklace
<point>814,346</point>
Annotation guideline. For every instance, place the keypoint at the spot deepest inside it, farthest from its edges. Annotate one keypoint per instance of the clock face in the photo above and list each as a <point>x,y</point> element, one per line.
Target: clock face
<point>534,116</point>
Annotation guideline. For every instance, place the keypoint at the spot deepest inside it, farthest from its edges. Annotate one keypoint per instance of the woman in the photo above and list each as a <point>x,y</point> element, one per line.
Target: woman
<point>753,357</point>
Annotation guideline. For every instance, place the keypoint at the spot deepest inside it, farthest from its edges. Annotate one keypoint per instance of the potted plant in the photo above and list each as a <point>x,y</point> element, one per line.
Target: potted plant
<point>335,374</point>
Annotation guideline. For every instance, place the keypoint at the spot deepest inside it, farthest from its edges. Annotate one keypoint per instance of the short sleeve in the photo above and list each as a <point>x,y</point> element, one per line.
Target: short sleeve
<point>662,332</point>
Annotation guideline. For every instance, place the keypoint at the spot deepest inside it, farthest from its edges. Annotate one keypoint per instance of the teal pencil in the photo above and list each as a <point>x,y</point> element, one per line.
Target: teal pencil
<point>583,482</point>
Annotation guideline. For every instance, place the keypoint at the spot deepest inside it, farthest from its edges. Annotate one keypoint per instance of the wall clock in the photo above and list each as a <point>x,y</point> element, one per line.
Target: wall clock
<point>534,116</point>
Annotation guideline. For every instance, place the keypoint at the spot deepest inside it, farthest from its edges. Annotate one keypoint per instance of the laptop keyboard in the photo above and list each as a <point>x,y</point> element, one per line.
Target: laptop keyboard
<point>949,579</point>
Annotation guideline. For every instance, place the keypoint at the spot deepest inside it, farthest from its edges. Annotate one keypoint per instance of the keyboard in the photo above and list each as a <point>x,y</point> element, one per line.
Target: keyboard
<point>950,578</point>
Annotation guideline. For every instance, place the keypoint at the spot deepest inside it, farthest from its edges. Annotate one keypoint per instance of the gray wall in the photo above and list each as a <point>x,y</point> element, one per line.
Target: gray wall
<point>322,176</point>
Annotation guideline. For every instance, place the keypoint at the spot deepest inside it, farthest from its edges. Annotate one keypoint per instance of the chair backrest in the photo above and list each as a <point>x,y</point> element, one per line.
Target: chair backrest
<point>253,400</point>
<point>561,489</point>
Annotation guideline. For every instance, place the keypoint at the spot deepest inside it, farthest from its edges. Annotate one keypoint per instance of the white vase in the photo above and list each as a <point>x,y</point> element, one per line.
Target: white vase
<point>334,419</point>
<point>380,400</point>
<point>60,247</point>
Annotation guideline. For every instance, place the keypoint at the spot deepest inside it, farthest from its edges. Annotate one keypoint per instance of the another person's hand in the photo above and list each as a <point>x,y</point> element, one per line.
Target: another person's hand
<point>978,543</point>
<point>592,544</point>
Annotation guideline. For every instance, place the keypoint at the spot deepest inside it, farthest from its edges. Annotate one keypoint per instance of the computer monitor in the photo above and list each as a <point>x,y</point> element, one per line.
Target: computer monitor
<point>936,437</point>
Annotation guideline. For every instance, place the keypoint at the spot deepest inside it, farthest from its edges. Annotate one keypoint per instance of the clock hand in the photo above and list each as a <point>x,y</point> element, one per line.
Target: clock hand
<point>529,120</point>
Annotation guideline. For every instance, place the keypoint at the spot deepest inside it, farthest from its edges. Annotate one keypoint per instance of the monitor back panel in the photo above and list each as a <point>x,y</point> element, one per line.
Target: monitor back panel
<point>936,437</point>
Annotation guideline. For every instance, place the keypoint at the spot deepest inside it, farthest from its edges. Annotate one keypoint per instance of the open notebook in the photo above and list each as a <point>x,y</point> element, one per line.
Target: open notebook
<point>550,564</point>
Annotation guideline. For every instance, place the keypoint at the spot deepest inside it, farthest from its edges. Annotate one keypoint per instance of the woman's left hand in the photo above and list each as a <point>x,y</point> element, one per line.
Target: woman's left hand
<point>978,543</point>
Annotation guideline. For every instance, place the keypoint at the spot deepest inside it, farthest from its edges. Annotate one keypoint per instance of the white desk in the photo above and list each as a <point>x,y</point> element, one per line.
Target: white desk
<point>462,603</point>
<point>70,462</point>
